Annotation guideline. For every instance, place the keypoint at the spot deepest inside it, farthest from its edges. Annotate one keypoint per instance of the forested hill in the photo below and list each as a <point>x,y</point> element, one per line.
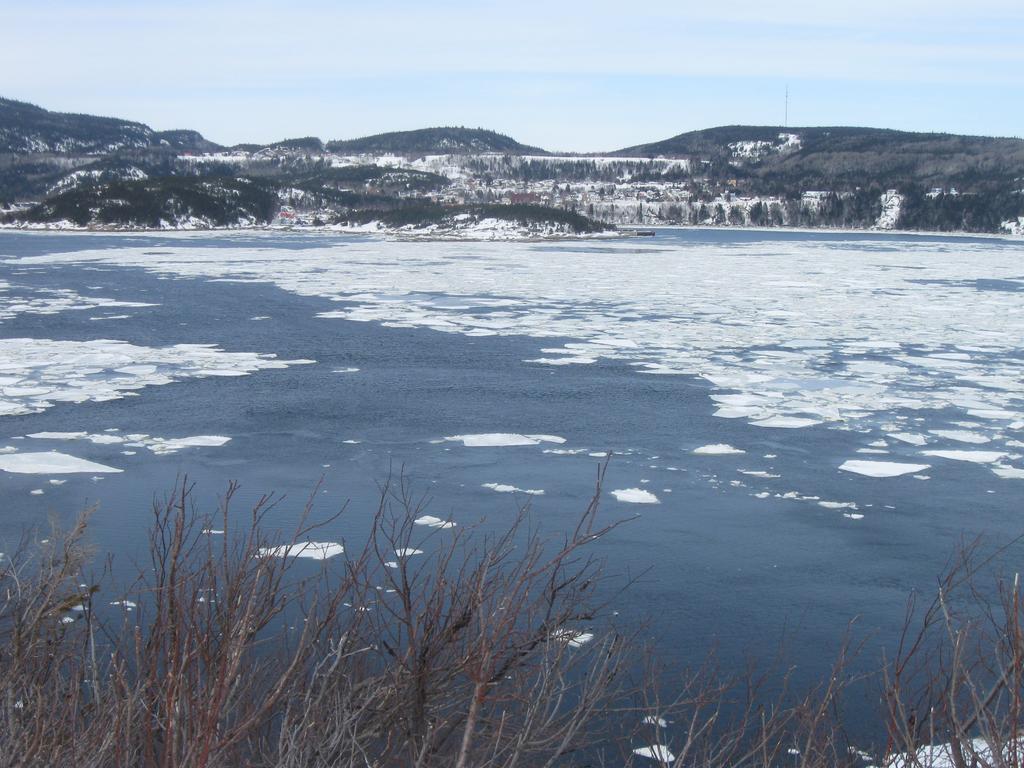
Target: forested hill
<point>28,129</point>
<point>840,157</point>
<point>81,170</point>
<point>435,141</point>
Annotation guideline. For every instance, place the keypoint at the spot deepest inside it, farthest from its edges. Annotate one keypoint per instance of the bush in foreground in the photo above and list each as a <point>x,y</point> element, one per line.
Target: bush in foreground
<point>487,650</point>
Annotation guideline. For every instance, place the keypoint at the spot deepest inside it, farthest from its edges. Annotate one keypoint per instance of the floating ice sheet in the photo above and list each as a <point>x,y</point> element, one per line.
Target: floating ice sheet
<point>1009,473</point>
<point>941,756</point>
<point>718,449</point>
<point>658,752</point>
<point>962,436</point>
<point>881,468</point>
<point>503,439</point>
<point>50,463</point>
<point>635,496</point>
<point>313,550</point>
<point>433,522</point>
<point>786,422</point>
<point>158,445</point>
<point>571,637</point>
<point>978,457</point>
<point>36,374</point>
<point>174,444</point>
<point>907,437</point>
<point>843,333</point>
<point>16,300</point>
<point>501,488</point>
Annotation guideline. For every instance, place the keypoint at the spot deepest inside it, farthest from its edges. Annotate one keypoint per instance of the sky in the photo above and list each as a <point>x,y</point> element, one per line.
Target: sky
<point>573,76</point>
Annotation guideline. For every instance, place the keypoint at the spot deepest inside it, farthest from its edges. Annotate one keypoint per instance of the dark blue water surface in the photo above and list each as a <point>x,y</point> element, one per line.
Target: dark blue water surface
<point>714,566</point>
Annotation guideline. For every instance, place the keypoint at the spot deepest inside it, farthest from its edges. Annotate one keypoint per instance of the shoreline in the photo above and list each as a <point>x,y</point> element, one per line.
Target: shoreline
<point>454,236</point>
<point>845,231</point>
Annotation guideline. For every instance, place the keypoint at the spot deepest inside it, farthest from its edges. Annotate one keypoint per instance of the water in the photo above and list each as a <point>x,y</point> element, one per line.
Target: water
<point>859,336</point>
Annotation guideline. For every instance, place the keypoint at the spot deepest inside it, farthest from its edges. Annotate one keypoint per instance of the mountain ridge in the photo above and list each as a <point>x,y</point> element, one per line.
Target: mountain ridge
<point>435,140</point>
<point>688,142</point>
<point>460,139</point>
<point>738,175</point>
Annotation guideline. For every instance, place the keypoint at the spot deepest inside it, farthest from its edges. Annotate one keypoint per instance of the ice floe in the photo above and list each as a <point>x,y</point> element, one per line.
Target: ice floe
<point>786,422</point>
<point>796,495</point>
<point>941,756</point>
<point>660,722</point>
<point>961,436</point>
<point>36,374</point>
<point>907,437</point>
<point>844,333</point>
<point>175,444</point>
<point>158,445</point>
<point>571,637</point>
<point>500,488</point>
<point>16,300</point>
<point>658,752</point>
<point>717,449</point>
<point>314,550</point>
<point>49,463</point>
<point>503,439</point>
<point>978,457</point>
<point>1009,473</point>
<point>433,522</point>
<point>635,496</point>
<point>881,468</point>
